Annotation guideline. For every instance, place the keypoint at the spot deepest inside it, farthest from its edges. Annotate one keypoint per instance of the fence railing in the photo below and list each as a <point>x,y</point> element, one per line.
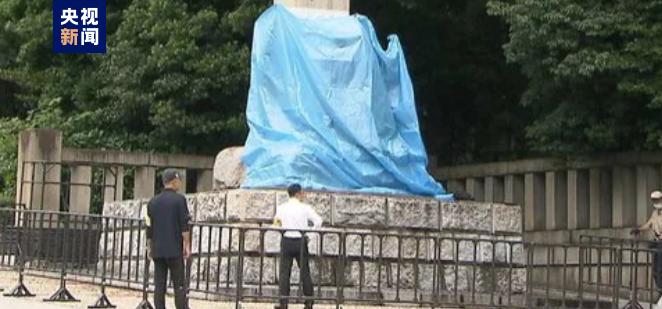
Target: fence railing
<point>239,262</point>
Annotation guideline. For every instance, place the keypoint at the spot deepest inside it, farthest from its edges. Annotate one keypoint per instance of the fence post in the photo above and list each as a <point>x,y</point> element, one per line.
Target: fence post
<point>63,294</point>
<point>343,258</point>
<point>20,290</point>
<point>617,279</point>
<point>103,301</point>
<point>580,288</point>
<point>633,303</point>
<point>529,275</point>
<point>240,269</point>
<point>145,304</point>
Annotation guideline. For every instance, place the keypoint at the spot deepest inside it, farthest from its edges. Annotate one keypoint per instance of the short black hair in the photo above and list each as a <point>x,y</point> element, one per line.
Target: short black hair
<point>169,175</point>
<point>293,189</point>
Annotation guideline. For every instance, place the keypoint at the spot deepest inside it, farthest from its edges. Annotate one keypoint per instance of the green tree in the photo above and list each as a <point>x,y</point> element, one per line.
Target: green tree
<point>467,95</point>
<point>594,70</point>
<point>177,74</point>
<point>175,77</point>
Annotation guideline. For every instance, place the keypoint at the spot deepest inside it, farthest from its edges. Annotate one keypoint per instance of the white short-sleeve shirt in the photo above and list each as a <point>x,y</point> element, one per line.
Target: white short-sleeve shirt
<point>294,215</point>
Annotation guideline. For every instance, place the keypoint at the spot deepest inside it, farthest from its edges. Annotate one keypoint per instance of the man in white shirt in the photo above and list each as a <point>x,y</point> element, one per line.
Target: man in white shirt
<point>295,216</point>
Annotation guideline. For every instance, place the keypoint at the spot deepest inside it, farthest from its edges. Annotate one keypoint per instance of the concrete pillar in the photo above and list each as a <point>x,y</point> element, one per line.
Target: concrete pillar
<point>39,171</point>
<point>143,183</point>
<point>534,201</point>
<point>600,198</point>
<point>475,187</point>
<point>80,190</point>
<point>648,180</point>
<point>514,187</point>
<point>455,185</point>
<point>182,174</point>
<point>114,184</point>
<point>205,180</point>
<point>494,189</point>
<point>624,212</point>
<point>556,200</point>
<point>578,199</point>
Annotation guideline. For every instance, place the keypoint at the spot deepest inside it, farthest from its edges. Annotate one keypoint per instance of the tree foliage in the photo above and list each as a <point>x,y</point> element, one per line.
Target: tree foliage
<point>594,70</point>
<point>467,94</point>
<point>494,79</point>
<point>175,77</point>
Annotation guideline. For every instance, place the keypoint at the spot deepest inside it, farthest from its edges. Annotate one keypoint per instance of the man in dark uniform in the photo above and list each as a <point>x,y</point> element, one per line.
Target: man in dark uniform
<point>170,239</point>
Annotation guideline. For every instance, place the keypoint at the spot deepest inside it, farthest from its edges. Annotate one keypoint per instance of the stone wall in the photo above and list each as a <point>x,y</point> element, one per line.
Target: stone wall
<point>566,194</point>
<point>346,210</point>
<point>388,239</point>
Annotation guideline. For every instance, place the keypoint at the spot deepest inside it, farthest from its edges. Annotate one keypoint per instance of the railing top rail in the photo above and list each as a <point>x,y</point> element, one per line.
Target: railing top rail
<point>242,226</point>
<point>113,164</point>
<point>118,157</point>
<point>545,165</point>
<point>615,240</point>
<point>65,214</point>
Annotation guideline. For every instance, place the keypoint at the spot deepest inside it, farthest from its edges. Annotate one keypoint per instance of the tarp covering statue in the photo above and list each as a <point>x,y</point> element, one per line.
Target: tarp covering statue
<point>330,109</point>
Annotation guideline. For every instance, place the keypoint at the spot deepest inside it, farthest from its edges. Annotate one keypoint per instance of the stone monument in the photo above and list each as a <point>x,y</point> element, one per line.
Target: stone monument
<point>421,229</point>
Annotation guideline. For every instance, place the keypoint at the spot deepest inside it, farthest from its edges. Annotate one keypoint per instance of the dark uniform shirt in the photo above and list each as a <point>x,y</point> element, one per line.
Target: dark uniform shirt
<point>169,218</point>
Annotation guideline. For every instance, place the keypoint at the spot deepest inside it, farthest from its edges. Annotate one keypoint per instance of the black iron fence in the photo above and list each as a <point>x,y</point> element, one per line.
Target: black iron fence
<point>239,262</point>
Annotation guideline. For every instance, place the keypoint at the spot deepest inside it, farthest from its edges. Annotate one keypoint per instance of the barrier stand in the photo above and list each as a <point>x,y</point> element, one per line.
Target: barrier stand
<point>103,301</point>
<point>63,294</point>
<point>240,269</point>
<point>634,301</point>
<point>187,275</point>
<point>145,304</point>
<point>20,290</point>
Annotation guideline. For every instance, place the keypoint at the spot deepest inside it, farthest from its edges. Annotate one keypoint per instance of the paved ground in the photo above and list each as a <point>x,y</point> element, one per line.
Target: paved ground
<point>123,299</point>
<point>86,293</point>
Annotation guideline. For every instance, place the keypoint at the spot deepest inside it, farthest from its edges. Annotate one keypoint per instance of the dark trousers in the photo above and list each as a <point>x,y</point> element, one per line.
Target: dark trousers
<point>657,264</point>
<point>294,249</point>
<point>176,268</point>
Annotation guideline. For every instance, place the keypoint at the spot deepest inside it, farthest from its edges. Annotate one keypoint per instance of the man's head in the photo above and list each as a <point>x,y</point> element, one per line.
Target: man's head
<point>295,191</point>
<point>171,179</point>
<point>656,198</point>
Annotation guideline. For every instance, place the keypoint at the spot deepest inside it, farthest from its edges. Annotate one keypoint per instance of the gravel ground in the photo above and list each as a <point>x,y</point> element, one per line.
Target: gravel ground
<point>122,298</point>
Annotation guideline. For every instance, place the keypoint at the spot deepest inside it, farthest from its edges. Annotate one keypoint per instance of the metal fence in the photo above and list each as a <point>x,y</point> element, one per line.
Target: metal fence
<point>238,262</point>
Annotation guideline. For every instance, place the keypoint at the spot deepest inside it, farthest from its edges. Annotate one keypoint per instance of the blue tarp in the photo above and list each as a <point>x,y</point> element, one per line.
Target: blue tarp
<point>330,109</point>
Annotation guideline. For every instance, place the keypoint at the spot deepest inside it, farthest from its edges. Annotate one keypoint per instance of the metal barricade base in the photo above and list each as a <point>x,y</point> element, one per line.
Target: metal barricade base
<point>62,295</point>
<point>145,305</point>
<point>19,291</point>
<point>102,302</point>
<point>633,305</point>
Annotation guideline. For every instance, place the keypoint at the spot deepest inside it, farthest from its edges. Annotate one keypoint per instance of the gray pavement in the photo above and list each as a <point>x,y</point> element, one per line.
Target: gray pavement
<point>25,303</point>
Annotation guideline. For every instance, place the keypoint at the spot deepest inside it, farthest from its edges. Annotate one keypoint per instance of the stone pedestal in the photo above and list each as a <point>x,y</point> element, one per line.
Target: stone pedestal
<point>316,8</point>
<point>388,239</point>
